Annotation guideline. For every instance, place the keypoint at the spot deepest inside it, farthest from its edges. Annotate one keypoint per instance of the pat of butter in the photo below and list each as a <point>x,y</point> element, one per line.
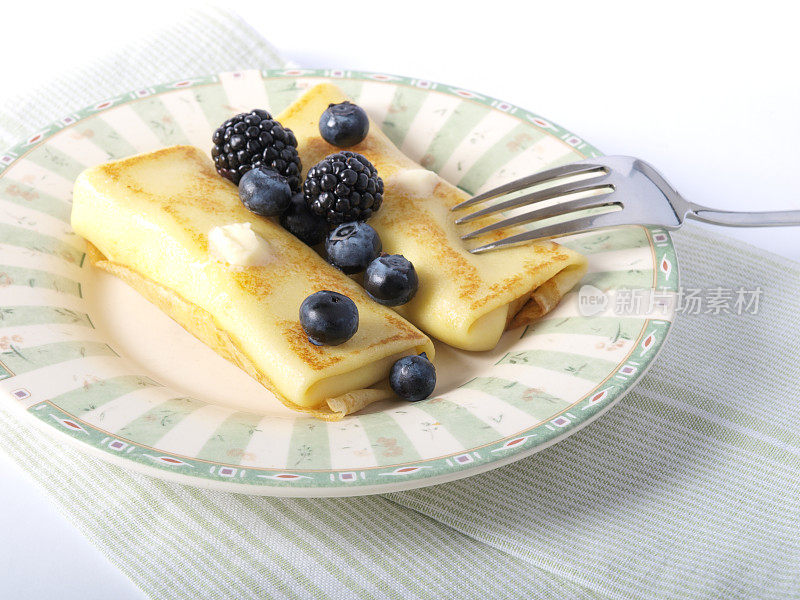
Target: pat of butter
<point>239,246</point>
<point>419,183</point>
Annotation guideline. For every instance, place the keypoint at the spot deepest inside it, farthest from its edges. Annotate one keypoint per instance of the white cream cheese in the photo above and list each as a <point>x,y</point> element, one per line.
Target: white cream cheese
<point>239,246</point>
<point>419,183</point>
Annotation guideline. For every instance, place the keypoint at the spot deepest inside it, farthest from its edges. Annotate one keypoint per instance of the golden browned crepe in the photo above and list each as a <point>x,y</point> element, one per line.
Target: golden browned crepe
<point>464,299</point>
<point>147,219</point>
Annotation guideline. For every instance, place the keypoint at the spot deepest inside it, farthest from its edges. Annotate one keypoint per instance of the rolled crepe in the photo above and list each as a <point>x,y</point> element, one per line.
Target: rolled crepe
<point>465,300</point>
<point>147,219</point>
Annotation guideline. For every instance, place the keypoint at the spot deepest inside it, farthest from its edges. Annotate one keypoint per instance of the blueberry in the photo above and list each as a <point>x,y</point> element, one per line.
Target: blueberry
<point>413,377</point>
<point>352,246</point>
<point>264,191</point>
<point>391,280</point>
<point>302,223</point>
<point>328,318</point>
<point>344,124</point>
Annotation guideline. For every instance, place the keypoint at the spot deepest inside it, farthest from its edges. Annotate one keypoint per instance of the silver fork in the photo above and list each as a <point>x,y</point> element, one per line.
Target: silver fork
<point>637,193</point>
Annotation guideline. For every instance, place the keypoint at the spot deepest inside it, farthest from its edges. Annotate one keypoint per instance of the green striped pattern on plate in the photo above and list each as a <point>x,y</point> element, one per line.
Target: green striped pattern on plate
<point>538,386</point>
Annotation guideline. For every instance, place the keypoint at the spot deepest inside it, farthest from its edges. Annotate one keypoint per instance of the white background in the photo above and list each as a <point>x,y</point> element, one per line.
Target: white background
<point>708,92</point>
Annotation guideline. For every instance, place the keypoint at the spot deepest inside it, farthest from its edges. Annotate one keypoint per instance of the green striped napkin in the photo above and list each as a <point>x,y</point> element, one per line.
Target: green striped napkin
<point>688,488</point>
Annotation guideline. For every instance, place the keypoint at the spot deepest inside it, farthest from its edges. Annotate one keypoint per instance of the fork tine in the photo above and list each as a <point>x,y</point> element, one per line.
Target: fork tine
<point>550,231</point>
<point>573,187</point>
<point>530,180</point>
<point>561,208</point>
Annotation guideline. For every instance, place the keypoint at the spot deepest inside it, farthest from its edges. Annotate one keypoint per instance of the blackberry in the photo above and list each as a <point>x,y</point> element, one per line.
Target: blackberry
<point>343,187</point>
<point>255,139</point>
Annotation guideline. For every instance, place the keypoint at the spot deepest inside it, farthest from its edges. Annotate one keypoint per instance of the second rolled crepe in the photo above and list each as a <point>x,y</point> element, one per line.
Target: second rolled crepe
<point>466,300</point>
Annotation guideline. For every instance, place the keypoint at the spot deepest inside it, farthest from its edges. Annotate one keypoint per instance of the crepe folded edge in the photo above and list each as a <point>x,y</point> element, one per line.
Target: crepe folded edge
<point>202,325</point>
<point>547,296</point>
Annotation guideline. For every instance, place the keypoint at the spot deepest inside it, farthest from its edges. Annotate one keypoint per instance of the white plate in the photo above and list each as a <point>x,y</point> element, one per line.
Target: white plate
<point>86,357</point>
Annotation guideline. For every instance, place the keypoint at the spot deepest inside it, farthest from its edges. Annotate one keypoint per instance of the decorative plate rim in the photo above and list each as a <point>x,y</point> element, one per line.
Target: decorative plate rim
<point>411,474</point>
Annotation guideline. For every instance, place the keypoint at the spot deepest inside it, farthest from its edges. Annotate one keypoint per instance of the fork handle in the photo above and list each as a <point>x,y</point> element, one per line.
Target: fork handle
<point>775,218</point>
